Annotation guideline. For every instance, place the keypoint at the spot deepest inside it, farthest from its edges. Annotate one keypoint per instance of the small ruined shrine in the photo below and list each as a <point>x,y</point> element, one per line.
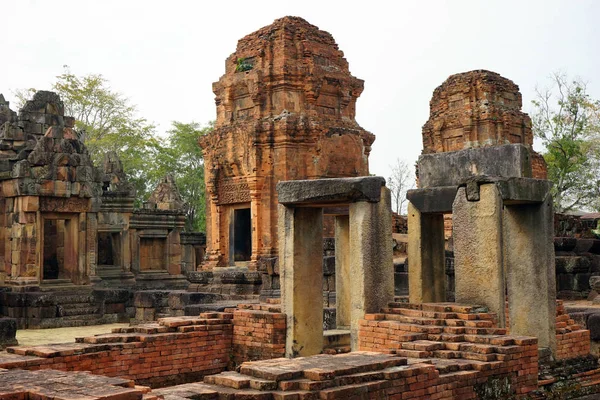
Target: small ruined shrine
<point>50,197</point>
<point>478,109</point>
<point>285,111</point>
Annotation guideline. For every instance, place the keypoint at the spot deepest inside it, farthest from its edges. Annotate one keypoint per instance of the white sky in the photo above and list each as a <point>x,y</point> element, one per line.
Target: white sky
<point>164,55</point>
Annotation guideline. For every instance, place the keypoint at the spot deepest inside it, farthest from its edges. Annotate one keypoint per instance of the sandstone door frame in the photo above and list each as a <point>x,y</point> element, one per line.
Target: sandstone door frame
<point>230,237</point>
<point>71,245</point>
<point>162,234</point>
<point>120,260</point>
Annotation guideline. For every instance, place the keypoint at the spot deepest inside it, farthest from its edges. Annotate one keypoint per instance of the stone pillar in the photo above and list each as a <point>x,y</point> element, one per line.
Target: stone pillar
<point>530,276</point>
<point>426,257</point>
<point>342,272</point>
<point>92,251</point>
<point>478,258</point>
<point>371,259</point>
<point>79,228</point>
<point>256,223</point>
<point>300,260</point>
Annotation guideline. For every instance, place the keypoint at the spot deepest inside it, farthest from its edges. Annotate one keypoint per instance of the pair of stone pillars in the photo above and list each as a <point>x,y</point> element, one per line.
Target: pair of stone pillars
<point>502,234</point>
<point>364,269</point>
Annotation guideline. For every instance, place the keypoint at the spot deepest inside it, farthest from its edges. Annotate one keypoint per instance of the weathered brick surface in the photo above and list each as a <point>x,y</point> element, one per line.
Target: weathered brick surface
<point>258,332</point>
<point>477,109</point>
<point>59,385</point>
<point>174,350</point>
<point>365,375</point>
<point>571,340</point>
<point>286,109</point>
<point>453,337</point>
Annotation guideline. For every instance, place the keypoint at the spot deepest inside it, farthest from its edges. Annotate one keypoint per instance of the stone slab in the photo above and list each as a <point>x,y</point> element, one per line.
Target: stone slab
<point>453,168</point>
<point>433,200</point>
<point>330,191</point>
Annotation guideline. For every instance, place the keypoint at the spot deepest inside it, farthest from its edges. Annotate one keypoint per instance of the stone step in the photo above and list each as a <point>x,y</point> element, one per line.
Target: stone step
<point>459,376</point>
<point>76,310</point>
<point>320,368</point>
<point>337,350</point>
<point>423,345</point>
<point>230,379</point>
<point>336,338</point>
<point>418,320</point>
<point>447,354</point>
<point>446,366</point>
<point>446,337</point>
<point>478,356</point>
<point>414,328</point>
<point>74,320</point>
<point>414,353</point>
<point>497,340</point>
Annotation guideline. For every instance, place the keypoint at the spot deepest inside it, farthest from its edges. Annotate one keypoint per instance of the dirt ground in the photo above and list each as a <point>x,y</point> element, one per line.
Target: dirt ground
<point>33,337</point>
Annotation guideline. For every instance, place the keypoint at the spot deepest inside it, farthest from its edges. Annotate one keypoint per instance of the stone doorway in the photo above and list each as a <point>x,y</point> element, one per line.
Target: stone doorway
<point>109,249</point>
<point>60,248</point>
<point>153,256</point>
<point>240,232</point>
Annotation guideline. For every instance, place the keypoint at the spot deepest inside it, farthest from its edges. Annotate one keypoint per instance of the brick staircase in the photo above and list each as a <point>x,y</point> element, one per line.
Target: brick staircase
<point>454,338</point>
<point>571,338</point>
<point>324,376</point>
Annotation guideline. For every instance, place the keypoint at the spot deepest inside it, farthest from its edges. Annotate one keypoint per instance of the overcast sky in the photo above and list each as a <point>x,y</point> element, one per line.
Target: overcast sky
<point>164,55</point>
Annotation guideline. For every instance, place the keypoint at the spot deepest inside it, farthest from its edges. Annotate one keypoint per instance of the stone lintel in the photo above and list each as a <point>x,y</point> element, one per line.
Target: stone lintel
<point>336,211</point>
<point>512,190</point>
<point>338,191</point>
<point>433,200</point>
<point>453,168</point>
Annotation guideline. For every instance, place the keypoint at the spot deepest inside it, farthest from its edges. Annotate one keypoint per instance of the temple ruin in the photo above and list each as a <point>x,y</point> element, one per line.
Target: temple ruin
<point>285,110</point>
<point>292,215</point>
<point>478,109</point>
<point>74,248</point>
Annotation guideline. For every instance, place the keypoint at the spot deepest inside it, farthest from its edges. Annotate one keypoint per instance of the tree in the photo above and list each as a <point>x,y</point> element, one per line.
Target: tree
<point>567,120</point>
<point>182,157</point>
<point>105,121</point>
<point>400,181</point>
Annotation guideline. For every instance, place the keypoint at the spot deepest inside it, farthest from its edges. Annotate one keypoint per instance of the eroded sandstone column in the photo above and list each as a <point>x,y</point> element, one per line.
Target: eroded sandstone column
<point>371,261</point>
<point>342,272</point>
<point>530,275</point>
<point>478,255</point>
<point>300,261</point>
<point>426,272</point>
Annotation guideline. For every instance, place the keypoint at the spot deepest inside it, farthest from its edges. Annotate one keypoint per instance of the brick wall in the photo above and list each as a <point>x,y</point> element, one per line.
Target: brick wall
<point>258,332</point>
<point>171,351</point>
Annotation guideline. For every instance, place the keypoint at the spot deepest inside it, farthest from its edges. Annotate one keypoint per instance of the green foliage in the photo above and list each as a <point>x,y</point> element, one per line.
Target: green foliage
<point>567,120</point>
<point>596,231</point>
<point>182,157</point>
<point>105,121</point>
<point>242,65</point>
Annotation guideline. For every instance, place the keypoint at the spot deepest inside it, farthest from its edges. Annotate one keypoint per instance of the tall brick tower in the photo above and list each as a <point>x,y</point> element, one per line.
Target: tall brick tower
<point>478,109</point>
<point>285,110</point>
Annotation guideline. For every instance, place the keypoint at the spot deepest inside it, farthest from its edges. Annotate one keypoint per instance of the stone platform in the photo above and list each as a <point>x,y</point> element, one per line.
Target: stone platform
<point>363,374</point>
<point>58,385</point>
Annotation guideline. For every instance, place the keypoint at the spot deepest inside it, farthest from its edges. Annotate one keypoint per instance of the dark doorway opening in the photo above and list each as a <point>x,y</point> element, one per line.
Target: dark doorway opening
<point>54,249</point>
<point>109,248</point>
<point>242,234</point>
